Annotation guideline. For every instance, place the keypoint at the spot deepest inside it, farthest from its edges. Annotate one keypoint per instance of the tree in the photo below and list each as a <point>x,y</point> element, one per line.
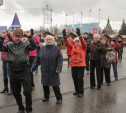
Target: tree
<point>122,31</point>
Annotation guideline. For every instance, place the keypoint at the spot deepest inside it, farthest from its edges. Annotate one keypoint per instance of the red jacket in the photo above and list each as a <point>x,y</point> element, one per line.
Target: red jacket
<point>69,50</point>
<point>116,47</point>
<point>77,54</point>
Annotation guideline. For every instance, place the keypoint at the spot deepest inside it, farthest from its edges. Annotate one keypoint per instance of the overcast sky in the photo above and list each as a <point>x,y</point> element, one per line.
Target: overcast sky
<point>31,15</point>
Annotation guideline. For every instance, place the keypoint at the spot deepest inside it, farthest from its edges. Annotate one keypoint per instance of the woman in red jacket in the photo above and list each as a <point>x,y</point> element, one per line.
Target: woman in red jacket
<point>77,61</point>
<point>116,46</point>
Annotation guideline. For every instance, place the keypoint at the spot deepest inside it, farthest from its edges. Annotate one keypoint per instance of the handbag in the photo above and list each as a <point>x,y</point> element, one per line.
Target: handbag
<point>111,56</point>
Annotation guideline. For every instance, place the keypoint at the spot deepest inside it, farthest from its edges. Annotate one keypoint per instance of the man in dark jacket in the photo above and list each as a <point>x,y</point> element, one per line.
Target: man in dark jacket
<point>88,42</point>
<point>18,57</point>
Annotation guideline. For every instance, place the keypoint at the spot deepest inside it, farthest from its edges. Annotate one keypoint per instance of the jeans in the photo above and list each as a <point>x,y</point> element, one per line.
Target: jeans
<point>115,69</point>
<point>5,67</point>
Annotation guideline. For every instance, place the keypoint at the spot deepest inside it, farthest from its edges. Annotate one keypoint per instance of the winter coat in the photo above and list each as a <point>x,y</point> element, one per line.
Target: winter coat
<point>50,58</point>
<point>95,52</point>
<point>34,52</point>
<point>121,46</point>
<point>69,50</point>
<point>104,63</point>
<point>116,47</point>
<point>77,54</point>
<point>4,56</point>
<point>88,41</point>
<point>18,54</point>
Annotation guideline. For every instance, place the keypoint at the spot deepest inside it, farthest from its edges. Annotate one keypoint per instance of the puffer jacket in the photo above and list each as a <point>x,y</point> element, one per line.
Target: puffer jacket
<point>104,63</point>
<point>34,52</point>
<point>4,56</point>
<point>77,54</point>
<point>94,50</point>
<point>18,54</point>
<point>116,47</point>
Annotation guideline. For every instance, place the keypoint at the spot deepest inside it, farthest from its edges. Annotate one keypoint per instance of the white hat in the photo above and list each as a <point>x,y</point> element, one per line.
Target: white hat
<point>50,37</point>
<point>77,38</point>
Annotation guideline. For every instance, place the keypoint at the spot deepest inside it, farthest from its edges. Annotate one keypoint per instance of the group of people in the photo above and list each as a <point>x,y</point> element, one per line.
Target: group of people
<point>93,57</point>
<point>21,57</point>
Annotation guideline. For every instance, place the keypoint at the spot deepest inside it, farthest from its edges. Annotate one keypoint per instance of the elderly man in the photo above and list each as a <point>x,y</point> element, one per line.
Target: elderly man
<point>18,57</point>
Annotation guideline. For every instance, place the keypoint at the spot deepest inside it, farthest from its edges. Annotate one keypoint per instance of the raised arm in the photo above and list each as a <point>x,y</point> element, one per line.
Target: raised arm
<point>69,45</point>
<point>32,45</point>
<point>117,46</point>
<point>2,37</point>
<point>83,43</point>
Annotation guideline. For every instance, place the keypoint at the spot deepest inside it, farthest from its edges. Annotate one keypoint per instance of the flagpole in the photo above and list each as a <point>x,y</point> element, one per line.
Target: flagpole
<point>66,19</point>
<point>99,19</point>
<point>73,21</point>
<point>81,21</point>
<point>89,20</point>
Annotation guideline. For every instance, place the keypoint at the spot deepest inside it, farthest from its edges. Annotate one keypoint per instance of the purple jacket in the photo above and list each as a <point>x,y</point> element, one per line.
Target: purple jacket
<point>4,56</point>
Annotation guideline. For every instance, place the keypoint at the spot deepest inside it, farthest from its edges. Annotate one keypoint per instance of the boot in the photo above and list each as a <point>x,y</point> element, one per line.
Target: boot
<point>10,92</point>
<point>5,86</point>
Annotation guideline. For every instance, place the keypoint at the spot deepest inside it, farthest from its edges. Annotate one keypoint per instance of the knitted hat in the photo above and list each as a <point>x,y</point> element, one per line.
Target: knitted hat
<point>18,32</point>
<point>77,38</point>
<point>96,36</point>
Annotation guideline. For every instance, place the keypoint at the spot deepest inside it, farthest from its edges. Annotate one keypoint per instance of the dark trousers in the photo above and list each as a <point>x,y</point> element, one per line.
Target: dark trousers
<point>56,90</point>
<point>22,78</point>
<point>87,62</point>
<point>68,59</point>
<point>78,75</point>
<point>107,75</point>
<point>95,64</point>
<point>120,55</point>
<point>31,60</point>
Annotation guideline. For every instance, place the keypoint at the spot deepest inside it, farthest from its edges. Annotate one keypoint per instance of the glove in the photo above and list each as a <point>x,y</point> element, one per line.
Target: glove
<point>64,33</point>
<point>32,32</point>
<point>78,32</point>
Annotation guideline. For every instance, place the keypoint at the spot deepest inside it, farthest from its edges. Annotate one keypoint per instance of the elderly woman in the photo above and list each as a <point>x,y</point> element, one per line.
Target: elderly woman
<point>51,60</point>
<point>95,61</point>
<point>105,66</point>
<point>77,61</point>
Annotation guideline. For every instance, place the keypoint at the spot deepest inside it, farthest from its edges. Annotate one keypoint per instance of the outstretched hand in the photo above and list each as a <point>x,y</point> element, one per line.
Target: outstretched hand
<point>4,34</point>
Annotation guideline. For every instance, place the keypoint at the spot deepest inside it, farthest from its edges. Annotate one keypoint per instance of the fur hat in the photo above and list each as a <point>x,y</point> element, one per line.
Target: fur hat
<point>96,36</point>
<point>18,32</point>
